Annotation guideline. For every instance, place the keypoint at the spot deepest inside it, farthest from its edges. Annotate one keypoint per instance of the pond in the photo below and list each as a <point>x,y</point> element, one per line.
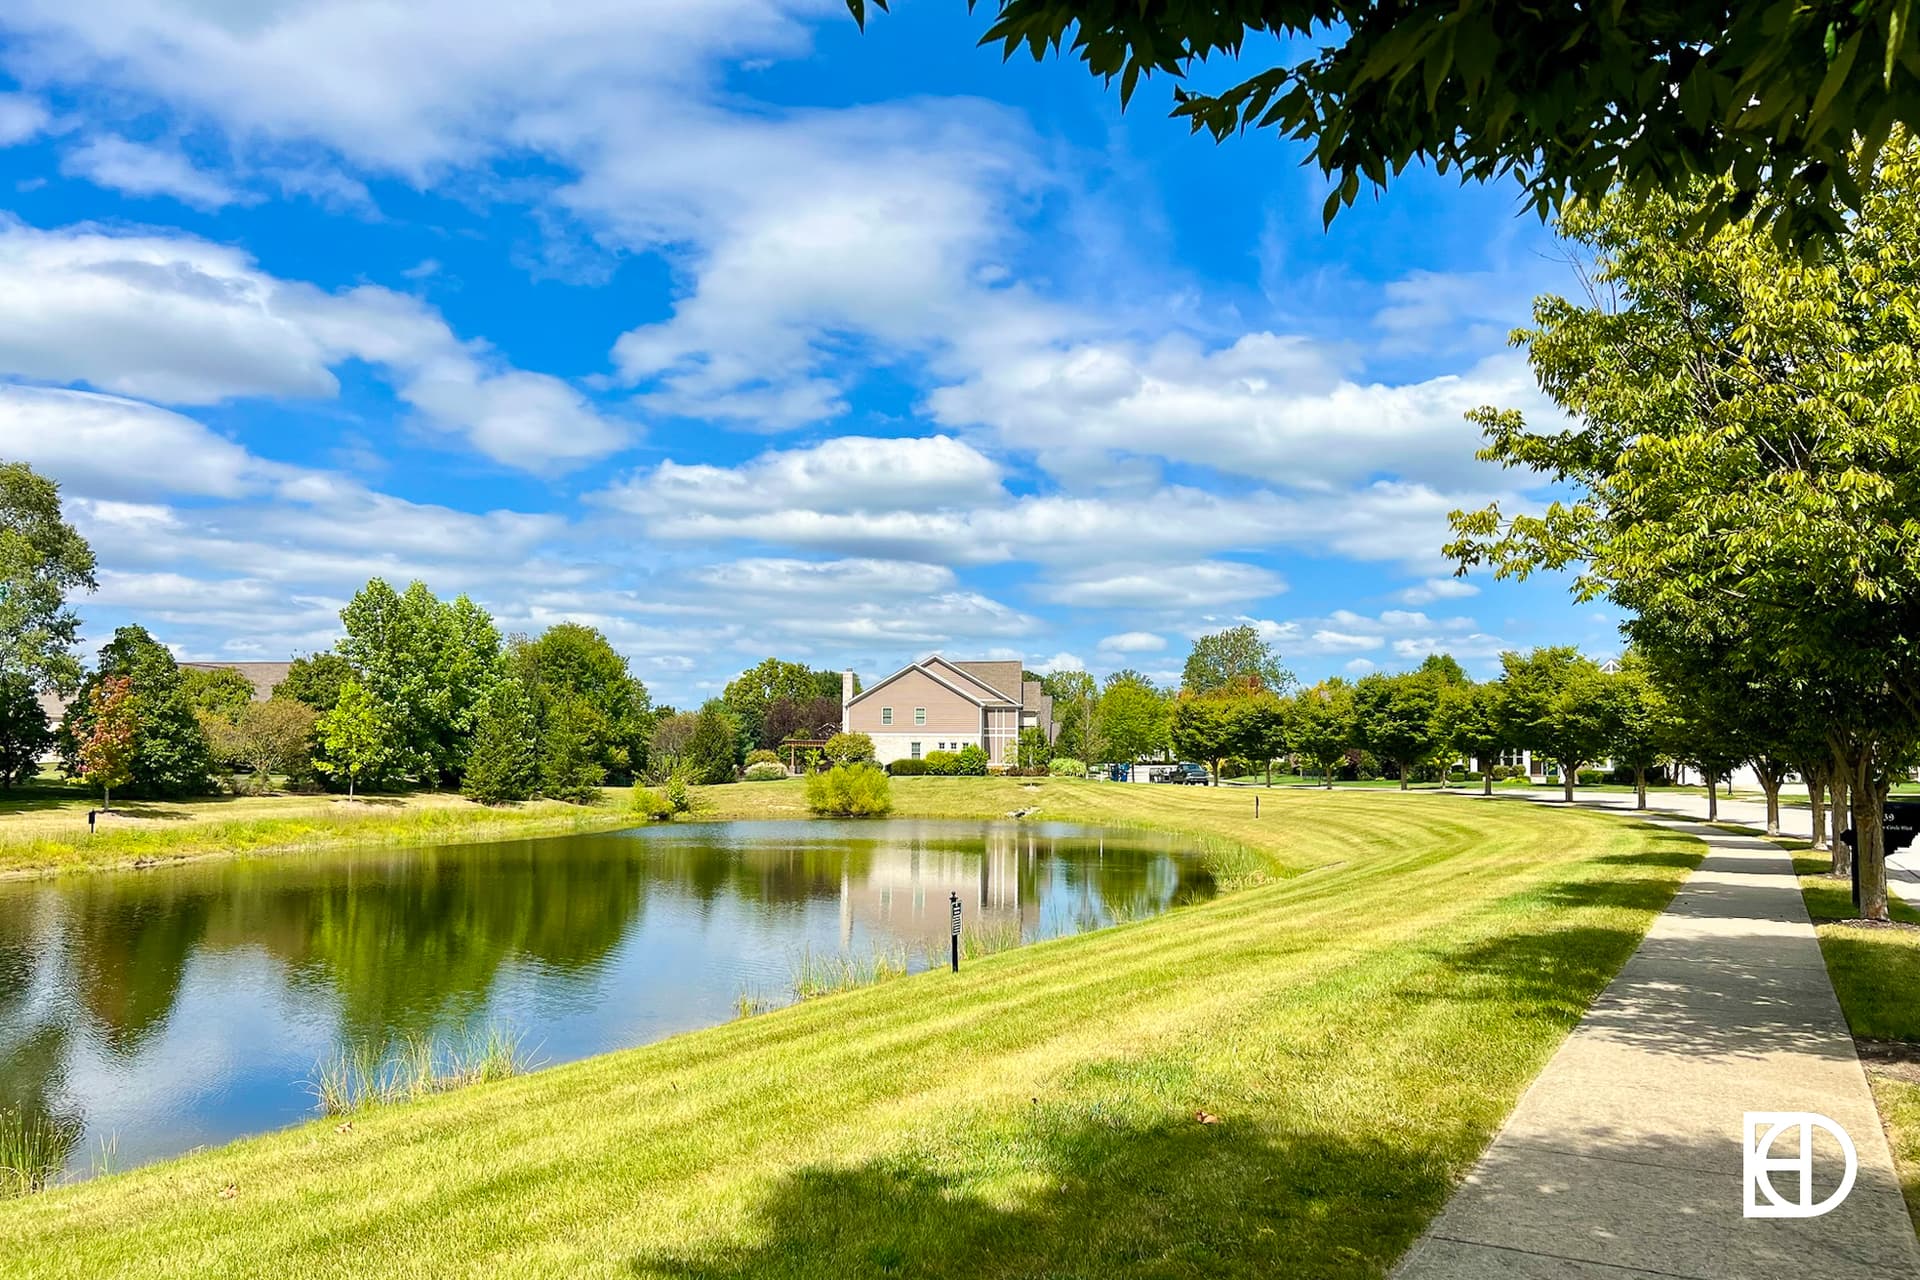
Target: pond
<point>154,1012</point>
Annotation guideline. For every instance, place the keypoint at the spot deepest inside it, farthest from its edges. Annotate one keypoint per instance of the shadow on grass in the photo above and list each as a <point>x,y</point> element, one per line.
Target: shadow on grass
<point>1089,1199</point>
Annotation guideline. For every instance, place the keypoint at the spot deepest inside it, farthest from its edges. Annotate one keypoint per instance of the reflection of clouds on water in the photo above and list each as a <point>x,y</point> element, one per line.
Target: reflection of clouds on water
<point>189,1005</point>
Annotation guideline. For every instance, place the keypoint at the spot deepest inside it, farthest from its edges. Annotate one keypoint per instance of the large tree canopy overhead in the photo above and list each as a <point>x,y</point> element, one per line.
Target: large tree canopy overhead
<point>1571,98</point>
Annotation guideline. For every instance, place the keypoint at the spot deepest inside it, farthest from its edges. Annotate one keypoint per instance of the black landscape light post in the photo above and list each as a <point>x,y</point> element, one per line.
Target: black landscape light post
<point>91,815</point>
<point>954,900</point>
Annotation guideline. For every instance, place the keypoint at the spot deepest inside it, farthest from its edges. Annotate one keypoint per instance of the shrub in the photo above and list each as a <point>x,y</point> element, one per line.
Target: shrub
<point>908,768</point>
<point>850,790</point>
<point>650,804</point>
<point>1067,767</point>
<point>761,755</point>
<point>766,771</point>
<point>973,760</point>
<point>848,748</point>
<point>1591,777</point>
<point>1474,775</point>
<point>944,764</point>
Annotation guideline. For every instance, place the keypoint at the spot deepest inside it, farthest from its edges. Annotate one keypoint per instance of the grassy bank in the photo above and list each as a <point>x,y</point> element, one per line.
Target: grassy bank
<point>47,834</point>
<point>1286,1080</point>
<point>1875,972</point>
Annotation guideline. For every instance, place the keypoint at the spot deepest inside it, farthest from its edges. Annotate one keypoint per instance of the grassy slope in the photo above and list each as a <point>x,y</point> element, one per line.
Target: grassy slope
<point>1359,1031</point>
<point>46,833</point>
<point>1875,972</point>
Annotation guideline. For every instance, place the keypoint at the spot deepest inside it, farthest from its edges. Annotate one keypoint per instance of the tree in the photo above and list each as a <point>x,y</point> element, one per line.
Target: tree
<point>1556,707</point>
<point>1207,727</point>
<point>750,695</point>
<point>1569,99</point>
<point>1262,723</point>
<point>264,738</point>
<point>429,664</point>
<point>1031,749</point>
<point>42,560</point>
<point>356,739</point>
<point>814,718</point>
<point>1740,455</point>
<point>107,754</point>
<point>571,661</point>
<point>25,734</point>
<point>1236,657</point>
<point>1074,694</point>
<point>1131,720</point>
<point>315,680</point>
<point>1471,719</point>
<point>504,764</point>
<point>1323,725</point>
<point>570,768</point>
<point>171,757</point>
<point>848,748</point>
<point>1639,721</point>
<point>668,746</point>
<point>713,752</point>
<point>220,690</point>
<point>1394,717</point>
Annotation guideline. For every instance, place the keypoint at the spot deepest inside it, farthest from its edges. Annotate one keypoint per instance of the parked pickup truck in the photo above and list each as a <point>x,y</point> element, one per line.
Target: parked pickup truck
<point>1186,773</point>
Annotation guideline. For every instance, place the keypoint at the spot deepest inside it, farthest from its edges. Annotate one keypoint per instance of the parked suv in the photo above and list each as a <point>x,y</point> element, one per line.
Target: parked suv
<point>1186,773</point>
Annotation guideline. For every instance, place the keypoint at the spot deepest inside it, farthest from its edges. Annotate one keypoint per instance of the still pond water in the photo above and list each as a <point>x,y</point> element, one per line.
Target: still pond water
<point>164,1010</point>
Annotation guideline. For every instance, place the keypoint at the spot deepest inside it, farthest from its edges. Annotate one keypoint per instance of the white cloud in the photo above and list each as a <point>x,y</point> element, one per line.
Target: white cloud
<point>180,320</point>
<point>1326,640</point>
<point>1439,589</point>
<point>1185,586</point>
<point>1360,666</point>
<point>1133,642</point>
<point>108,447</point>
<point>844,474</point>
<point>140,169</point>
<point>1059,662</point>
<point>21,118</point>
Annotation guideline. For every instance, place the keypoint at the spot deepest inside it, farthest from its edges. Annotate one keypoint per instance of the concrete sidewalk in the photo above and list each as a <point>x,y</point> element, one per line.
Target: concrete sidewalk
<point>1624,1157</point>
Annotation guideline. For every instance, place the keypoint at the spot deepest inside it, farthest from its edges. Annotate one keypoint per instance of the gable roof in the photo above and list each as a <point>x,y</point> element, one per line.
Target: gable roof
<point>951,677</point>
<point>263,675</point>
<point>1002,677</point>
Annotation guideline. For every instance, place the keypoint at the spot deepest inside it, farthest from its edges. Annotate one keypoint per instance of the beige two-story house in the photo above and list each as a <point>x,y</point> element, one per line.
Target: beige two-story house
<point>940,705</point>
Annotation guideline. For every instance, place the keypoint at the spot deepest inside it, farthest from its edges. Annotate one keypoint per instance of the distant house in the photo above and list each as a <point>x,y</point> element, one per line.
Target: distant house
<point>262,675</point>
<point>940,705</point>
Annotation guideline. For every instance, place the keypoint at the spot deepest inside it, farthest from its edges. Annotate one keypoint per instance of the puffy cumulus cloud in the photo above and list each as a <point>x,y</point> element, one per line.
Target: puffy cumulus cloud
<point>1133,642</point>
<point>835,581</point>
<point>1181,586</point>
<point>142,169</point>
<point>1359,666</point>
<point>1059,662</point>
<point>1439,589</point>
<point>1403,633</point>
<point>176,319</point>
<point>1272,407</point>
<point>844,474</point>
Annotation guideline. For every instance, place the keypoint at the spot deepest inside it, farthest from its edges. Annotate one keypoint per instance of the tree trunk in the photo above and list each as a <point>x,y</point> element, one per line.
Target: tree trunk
<point>1771,784</point>
<point>1639,786</point>
<point>1326,774</point>
<point>1566,779</point>
<point>1838,817</point>
<point>106,799</point>
<point>1869,841</point>
<point>1404,771</point>
<point>1713,796</point>
<point>1486,781</point>
<point>349,785</point>
<point>1816,803</point>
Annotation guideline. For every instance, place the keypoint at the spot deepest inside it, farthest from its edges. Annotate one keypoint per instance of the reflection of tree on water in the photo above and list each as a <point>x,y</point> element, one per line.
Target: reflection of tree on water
<point>33,1042</point>
<point>127,942</point>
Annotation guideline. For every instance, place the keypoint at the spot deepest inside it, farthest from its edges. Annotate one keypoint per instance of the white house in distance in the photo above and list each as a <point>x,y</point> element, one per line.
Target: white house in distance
<point>939,705</point>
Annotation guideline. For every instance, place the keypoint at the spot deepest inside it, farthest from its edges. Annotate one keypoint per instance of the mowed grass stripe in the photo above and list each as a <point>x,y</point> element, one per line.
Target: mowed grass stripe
<point>1359,1030</point>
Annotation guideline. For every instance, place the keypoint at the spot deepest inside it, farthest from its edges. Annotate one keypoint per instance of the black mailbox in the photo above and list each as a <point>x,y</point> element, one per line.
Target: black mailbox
<point>1899,825</point>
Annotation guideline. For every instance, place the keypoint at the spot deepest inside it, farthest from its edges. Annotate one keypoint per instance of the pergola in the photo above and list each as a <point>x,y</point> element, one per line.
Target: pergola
<point>794,746</point>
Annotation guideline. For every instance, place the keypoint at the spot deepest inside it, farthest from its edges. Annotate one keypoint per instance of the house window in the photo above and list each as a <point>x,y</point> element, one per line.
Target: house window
<point>919,715</point>
<point>886,715</point>
<point>914,749</point>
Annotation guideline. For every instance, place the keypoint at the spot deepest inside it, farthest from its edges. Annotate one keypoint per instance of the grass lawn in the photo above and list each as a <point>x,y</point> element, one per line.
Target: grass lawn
<point>44,830</point>
<point>1285,1080</point>
<point>1876,974</point>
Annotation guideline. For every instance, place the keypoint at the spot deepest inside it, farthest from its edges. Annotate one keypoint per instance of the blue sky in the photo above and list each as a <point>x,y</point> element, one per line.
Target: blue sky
<point>734,331</point>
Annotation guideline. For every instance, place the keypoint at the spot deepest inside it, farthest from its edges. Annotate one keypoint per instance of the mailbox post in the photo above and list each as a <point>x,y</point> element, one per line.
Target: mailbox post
<point>954,900</point>
<point>1899,825</point>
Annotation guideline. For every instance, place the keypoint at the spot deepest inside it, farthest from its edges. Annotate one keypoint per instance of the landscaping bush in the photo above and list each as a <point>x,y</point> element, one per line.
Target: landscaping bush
<point>1474,775</point>
<point>908,768</point>
<point>973,761</point>
<point>850,790</point>
<point>943,764</point>
<point>766,771</point>
<point>1591,777</point>
<point>848,748</point>
<point>1067,767</point>
<point>763,756</point>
